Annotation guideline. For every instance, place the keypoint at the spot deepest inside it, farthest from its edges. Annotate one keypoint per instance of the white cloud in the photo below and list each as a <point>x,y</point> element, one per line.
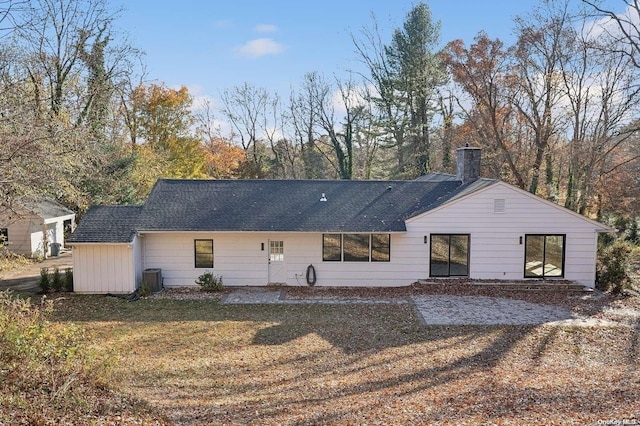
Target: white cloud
<point>607,25</point>
<point>272,133</point>
<point>355,97</point>
<point>201,102</point>
<point>265,28</point>
<point>259,47</point>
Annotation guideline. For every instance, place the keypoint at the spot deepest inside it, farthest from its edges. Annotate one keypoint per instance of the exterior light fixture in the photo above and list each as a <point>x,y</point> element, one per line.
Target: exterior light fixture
<point>425,239</point>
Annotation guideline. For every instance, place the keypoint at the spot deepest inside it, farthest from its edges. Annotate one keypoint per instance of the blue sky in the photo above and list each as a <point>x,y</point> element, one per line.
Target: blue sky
<point>214,45</point>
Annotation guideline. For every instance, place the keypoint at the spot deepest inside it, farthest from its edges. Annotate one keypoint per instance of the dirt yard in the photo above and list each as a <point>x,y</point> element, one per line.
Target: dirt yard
<point>196,361</point>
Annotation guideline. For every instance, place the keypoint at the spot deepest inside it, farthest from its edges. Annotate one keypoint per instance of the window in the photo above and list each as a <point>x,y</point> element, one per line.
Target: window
<point>276,251</point>
<point>203,253</point>
<point>332,247</point>
<point>449,255</point>
<point>356,247</point>
<point>380,247</point>
<point>544,256</point>
<point>4,235</point>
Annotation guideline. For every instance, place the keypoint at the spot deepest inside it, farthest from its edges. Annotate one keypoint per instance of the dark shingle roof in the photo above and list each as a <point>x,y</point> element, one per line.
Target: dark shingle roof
<point>290,205</point>
<point>272,205</point>
<point>107,224</point>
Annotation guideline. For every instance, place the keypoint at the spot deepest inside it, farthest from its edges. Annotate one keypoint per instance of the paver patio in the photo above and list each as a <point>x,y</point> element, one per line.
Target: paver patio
<point>441,309</point>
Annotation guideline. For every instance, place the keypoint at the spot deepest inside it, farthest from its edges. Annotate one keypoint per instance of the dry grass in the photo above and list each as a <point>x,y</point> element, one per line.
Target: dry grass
<point>12,262</point>
<point>199,362</point>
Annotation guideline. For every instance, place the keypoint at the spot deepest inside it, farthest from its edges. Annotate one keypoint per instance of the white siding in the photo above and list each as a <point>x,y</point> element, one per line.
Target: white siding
<point>138,260</point>
<point>20,237</point>
<point>103,268</point>
<point>239,258</point>
<point>25,235</point>
<point>496,252</point>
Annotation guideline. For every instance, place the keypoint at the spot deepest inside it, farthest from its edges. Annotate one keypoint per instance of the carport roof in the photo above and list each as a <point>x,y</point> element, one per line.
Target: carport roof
<point>48,209</point>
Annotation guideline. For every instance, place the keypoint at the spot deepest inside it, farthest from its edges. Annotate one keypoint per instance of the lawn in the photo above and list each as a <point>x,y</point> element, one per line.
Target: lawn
<point>200,362</point>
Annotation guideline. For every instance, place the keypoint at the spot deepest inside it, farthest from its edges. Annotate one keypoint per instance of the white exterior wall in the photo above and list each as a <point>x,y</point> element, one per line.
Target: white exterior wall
<point>25,235</point>
<point>241,262</point>
<point>104,268</point>
<point>495,249</point>
<point>55,230</point>
<point>138,260</point>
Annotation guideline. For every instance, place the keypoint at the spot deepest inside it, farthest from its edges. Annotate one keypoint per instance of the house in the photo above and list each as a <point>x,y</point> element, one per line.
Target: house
<point>34,228</point>
<point>334,233</point>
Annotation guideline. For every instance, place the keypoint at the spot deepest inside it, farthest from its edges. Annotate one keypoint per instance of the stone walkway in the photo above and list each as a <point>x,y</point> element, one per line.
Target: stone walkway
<point>441,309</point>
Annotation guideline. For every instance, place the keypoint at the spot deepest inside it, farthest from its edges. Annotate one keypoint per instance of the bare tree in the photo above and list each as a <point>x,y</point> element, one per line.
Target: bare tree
<point>538,52</point>
<point>303,112</point>
<point>626,28</point>
<point>245,107</point>
<point>603,97</point>
<point>8,11</point>
<point>484,72</point>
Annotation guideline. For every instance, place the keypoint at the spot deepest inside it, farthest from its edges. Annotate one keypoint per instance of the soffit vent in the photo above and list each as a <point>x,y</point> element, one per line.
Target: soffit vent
<point>499,205</point>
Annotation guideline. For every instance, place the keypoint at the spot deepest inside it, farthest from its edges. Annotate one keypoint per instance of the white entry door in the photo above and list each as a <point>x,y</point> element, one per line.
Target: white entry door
<point>277,265</point>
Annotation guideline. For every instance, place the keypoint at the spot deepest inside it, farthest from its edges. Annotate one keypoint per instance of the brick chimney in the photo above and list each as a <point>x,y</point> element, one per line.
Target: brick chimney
<point>468,162</point>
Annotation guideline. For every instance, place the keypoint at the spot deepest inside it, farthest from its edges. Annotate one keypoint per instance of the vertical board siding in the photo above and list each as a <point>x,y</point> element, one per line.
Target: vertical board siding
<point>496,252</point>
<point>103,268</point>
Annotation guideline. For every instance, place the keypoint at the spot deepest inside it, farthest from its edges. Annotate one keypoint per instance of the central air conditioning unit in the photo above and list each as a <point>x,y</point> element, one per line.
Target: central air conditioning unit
<point>153,279</point>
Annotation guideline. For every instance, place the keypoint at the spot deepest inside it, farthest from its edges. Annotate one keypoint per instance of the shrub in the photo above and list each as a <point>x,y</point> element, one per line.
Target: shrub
<point>210,282</point>
<point>48,368</point>
<point>10,261</point>
<point>144,289</point>
<point>36,256</point>
<point>56,280</point>
<point>44,283</point>
<point>68,279</point>
<point>614,267</point>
